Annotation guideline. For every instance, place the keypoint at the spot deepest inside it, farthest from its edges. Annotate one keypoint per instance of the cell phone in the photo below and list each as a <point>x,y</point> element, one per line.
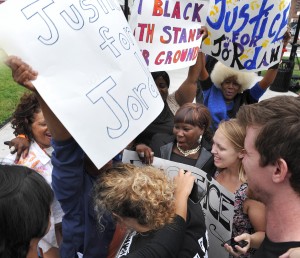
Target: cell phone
<point>233,243</point>
<point>197,193</point>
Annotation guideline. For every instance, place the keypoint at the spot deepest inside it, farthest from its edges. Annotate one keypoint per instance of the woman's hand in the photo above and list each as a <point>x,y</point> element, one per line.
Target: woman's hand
<point>184,185</point>
<point>286,38</point>
<point>22,73</point>
<point>145,153</point>
<point>240,250</point>
<point>204,32</point>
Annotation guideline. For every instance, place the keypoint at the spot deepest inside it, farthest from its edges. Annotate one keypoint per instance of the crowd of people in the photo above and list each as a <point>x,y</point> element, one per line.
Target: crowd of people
<point>54,202</point>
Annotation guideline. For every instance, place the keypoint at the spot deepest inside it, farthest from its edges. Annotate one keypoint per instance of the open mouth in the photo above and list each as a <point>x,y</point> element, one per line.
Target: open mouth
<point>180,143</point>
<point>216,159</point>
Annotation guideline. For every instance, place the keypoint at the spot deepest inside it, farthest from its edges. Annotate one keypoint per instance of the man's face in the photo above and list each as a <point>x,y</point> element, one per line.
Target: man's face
<point>259,178</point>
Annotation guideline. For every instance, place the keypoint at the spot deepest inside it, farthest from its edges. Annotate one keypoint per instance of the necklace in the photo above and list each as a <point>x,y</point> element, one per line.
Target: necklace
<point>188,152</point>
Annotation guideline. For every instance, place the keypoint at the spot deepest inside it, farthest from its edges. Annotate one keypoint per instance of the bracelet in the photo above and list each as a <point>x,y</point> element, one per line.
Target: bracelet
<point>22,136</point>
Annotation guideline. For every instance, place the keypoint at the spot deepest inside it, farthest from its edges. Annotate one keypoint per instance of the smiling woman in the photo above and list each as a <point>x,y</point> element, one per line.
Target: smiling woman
<point>228,151</point>
<point>28,120</point>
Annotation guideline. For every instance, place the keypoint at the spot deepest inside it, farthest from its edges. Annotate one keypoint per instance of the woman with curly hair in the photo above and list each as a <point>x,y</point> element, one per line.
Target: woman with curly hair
<point>161,220</point>
<point>25,200</point>
<point>28,120</point>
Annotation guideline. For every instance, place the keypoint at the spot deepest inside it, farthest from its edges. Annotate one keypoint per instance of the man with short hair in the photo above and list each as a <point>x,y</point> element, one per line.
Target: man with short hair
<point>272,166</point>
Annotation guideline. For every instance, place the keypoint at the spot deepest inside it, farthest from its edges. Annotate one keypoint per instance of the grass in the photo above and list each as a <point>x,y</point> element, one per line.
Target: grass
<point>10,93</point>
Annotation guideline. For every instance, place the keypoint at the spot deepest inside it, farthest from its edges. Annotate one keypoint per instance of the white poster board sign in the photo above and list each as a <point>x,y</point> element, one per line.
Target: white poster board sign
<point>246,34</point>
<point>168,32</point>
<point>218,204</point>
<point>91,72</point>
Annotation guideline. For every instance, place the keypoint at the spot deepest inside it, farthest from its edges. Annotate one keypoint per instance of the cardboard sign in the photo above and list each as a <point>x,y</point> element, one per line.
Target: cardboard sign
<point>91,72</point>
<point>246,34</point>
<point>168,32</point>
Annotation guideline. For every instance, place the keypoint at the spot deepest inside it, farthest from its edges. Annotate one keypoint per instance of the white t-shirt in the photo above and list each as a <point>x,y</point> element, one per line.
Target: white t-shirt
<point>39,160</point>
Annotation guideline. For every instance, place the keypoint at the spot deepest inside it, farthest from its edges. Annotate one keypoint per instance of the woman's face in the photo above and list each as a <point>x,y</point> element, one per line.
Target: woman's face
<point>162,87</point>
<point>223,151</point>
<point>40,131</point>
<point>187,135</point>
<point>230,88</point>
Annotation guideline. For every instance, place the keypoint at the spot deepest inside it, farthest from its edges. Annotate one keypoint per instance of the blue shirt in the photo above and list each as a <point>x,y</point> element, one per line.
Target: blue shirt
<point>72,187</point>
<point>214,100</point>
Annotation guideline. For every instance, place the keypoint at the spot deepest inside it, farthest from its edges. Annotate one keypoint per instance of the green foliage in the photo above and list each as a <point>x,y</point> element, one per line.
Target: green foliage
<point>10,93</point>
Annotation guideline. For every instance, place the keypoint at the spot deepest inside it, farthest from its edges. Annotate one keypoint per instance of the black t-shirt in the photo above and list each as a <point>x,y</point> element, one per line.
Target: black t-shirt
<point>185,240</point>
<point>269,249</point>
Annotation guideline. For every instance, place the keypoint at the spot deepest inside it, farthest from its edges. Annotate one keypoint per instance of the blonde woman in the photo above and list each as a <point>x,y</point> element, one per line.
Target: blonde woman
<point>249,215</point>
<point>155,209</point>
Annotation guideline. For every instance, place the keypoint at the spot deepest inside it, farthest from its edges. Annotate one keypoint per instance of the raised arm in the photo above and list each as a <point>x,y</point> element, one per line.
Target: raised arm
<point>203,72</point>
<point>187,90</point>
<point>269,77</point>
<point>23,74</point>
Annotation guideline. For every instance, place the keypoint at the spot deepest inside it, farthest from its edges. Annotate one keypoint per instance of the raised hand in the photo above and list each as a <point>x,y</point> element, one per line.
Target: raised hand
<point>22,73</point>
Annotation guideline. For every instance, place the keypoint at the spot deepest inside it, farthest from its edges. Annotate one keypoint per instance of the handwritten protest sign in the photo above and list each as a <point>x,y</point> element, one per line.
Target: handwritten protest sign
<point>218,204</point>
<point>168,32</point>
<point>246,34</point>
<point>91,72</point>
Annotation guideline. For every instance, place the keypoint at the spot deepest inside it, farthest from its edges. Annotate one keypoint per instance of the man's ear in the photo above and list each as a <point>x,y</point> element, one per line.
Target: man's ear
<point>281,171</point>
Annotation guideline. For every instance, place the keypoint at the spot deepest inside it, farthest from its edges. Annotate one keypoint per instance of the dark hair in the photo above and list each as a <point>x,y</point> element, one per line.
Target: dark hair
<point>23,116</point>
<point>195,114</point>
<point>25,199</point>
<point>278,121</point>
<point>162,74</point>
